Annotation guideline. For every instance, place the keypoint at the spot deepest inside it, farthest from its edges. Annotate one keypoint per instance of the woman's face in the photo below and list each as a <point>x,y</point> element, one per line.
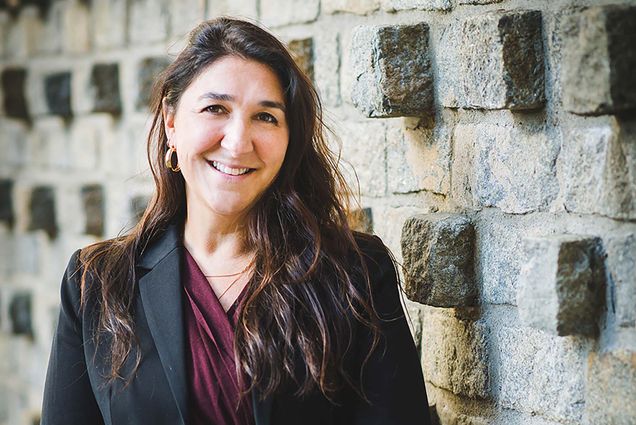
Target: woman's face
<point>230,133</point>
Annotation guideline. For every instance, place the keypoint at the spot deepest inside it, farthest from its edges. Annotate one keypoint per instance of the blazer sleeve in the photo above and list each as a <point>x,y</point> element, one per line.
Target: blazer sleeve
<point>68,395</point>
<point>392,378</point>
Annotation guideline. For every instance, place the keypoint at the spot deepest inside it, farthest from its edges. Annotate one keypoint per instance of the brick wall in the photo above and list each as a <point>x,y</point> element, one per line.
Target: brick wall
<point>495,147</point>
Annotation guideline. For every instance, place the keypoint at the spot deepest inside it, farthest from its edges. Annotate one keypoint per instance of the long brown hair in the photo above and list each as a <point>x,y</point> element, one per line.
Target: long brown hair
<point>310,283</point>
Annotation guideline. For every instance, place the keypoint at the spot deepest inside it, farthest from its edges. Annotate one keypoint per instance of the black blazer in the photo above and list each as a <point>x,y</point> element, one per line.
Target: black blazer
<point>75,391</point>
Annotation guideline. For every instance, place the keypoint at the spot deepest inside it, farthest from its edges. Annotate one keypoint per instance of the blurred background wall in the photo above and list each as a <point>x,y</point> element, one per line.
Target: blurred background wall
<point>495,146</point>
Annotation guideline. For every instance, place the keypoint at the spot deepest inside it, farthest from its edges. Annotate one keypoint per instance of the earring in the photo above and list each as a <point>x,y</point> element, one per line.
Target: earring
<point>171,160</point>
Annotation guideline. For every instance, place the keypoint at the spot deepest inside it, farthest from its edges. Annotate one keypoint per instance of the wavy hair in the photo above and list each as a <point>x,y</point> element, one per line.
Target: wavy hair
<point>310,283</point>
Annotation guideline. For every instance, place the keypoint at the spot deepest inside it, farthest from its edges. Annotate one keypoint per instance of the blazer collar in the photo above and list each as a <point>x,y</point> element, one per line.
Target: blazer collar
<point>162,298</point>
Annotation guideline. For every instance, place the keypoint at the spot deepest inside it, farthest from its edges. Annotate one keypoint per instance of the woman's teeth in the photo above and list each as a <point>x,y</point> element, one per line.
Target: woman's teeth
<point>231,171</point>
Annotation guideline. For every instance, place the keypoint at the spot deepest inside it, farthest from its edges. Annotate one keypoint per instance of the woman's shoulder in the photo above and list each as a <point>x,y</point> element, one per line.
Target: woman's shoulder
<point>374,252</point>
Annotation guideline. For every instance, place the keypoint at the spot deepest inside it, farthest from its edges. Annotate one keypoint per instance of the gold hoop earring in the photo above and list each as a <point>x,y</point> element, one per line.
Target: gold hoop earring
<point>171,161</point>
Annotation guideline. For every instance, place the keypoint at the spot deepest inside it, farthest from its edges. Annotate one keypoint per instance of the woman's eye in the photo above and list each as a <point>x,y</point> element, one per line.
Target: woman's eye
<point>264,116</point>
<point>215,109</point>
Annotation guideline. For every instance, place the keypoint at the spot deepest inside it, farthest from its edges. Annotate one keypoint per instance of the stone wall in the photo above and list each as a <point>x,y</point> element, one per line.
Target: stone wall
<point>495,146</point>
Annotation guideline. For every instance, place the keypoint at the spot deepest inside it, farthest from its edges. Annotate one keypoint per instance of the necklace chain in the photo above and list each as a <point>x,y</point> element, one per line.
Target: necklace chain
<point>239,274</point>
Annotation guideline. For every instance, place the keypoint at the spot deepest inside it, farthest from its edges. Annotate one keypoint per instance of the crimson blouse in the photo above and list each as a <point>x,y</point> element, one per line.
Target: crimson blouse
<point>213,396</point>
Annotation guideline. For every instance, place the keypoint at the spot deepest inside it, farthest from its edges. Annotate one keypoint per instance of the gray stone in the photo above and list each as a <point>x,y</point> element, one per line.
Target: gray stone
<point>57,89</point>
<point>6,202</point>
<point>438,252</point>
<point>478,1</point>
<point>93,201</point>
<point>562,285</point>
<point>540,374</point>
<point>599,169</point>
<point>621,266</point>
<point>303,52</point>
<point>364,157</point>
<point>104,88</point>
<point>327,67</point>
<point>42,211</point>
<point>359,7</point>
<point>392,70</point>
<point>599,58</point>
<point>108,20</point>
<point>185,15</point>
<point>149,69</point>
<point>611,389</point>
<point>20,314</point>
<point>455,354</point>
<point>15,104</point>
<point>244,8</point>
<point>395,5</point>
<point>284,12</point>
<point>493,61</point>
<point>138,206</point>
<point>75,27</point>
<point>148,21</point>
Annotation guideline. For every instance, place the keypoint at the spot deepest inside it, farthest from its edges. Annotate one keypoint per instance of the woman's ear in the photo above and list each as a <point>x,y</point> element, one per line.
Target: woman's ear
<point>168,118</point>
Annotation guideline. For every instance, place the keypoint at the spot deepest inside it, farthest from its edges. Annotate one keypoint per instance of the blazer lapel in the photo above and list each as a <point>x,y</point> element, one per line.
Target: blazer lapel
<point>161,295</point>
<point>262,409</point>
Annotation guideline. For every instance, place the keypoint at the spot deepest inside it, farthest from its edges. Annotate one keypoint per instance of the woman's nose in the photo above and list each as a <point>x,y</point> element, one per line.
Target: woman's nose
<point>237,138</point>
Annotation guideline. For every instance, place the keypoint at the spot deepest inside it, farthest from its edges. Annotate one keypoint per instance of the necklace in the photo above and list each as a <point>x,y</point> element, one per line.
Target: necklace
<point>239,274</point>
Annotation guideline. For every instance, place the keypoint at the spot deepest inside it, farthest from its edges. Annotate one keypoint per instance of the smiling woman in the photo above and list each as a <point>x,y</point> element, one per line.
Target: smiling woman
<point>242,296</point>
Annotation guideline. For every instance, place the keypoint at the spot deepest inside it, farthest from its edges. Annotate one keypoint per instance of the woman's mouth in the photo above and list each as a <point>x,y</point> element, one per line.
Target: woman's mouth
<point>229,170</point>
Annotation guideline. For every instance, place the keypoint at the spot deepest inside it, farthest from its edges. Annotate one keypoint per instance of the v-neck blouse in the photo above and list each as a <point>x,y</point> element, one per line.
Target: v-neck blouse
<point>212,381</point>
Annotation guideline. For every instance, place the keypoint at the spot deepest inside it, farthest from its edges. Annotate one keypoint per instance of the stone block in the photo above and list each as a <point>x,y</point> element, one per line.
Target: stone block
<point>185,15</point>
<point>504,174</point>
<point>20,314</point>
<point>363,160</point>
<point>359,7</point>
<point>93,202</point>
<point>418,157</point>
<point>599,57</point>
<point>28,253</point>
<point>611,388</point>
<point>52,30</point>
<point>395,5</point>
<point>327,67</point>
<point>5,19</point>
<point>598,169</point>
<point>621,266</point>
<point>15,104</point>
<point>138,206</point>
<point>75,27</point>
<point>6,202</point>
<point>478,1</point>
<point>455,354</point>
<point>493,61</point>
<point>438,253</point>
<point>148,21</point>
<point>149,69</point>
<point>245,8</point>
<point>392,70</point>
<point>284,12</point>
<point>57,89</point>
<point>562,284</point>
<point>24,33</point>
<point>104,88</point>
<point>540,374</point>
<point>303,52</point>
<point>108,20</point>
<point>90,136</point>
<point>42,211</point>
<point>48,144</point>
<point>13,136</point>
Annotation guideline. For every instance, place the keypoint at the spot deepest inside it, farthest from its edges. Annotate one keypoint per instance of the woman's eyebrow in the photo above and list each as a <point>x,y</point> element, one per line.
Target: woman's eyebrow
<point>230,98</point>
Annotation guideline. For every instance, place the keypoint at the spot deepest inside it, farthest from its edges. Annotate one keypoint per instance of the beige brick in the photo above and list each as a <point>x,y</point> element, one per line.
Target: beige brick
<point>359,7</point>
<point>283,12</point>
<point>395,5</point>
<point>108,23</point>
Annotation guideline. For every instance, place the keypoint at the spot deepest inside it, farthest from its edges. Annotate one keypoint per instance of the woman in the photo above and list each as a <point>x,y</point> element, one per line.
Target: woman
<point>242,296</point>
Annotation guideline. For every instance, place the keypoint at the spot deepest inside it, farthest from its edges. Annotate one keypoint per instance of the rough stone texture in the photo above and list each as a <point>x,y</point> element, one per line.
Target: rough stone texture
<point>599,169</point>
<point>611,389</point>
<point>303,52</point>
<point>149,69</point>
<point>359,7</point>
<point>15,104</point>
<point>57,88</point>
<point>364,157</point>
<point>455,354</point>
<point>501,174</point>
<point>395,5</point>
<point>478,1</point>
<point>42,211</point>
<point>438,254</point>
<point>274,14</point>
<point>93,201</point>
<point>108,19</point>
<point>148,21</point>
<point>185,15</point>
<point>599,57</point>
<point>561,284</point>
<point>20,313</point>
<point>6,202</point>
<point>104,84</point>
<point>540,374</point>
<point>500,57</point>
<point>327,67</point>
<point>392,70</point>
<point>418,157</point>
<point>621,266</point>
<point>243,8</point>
